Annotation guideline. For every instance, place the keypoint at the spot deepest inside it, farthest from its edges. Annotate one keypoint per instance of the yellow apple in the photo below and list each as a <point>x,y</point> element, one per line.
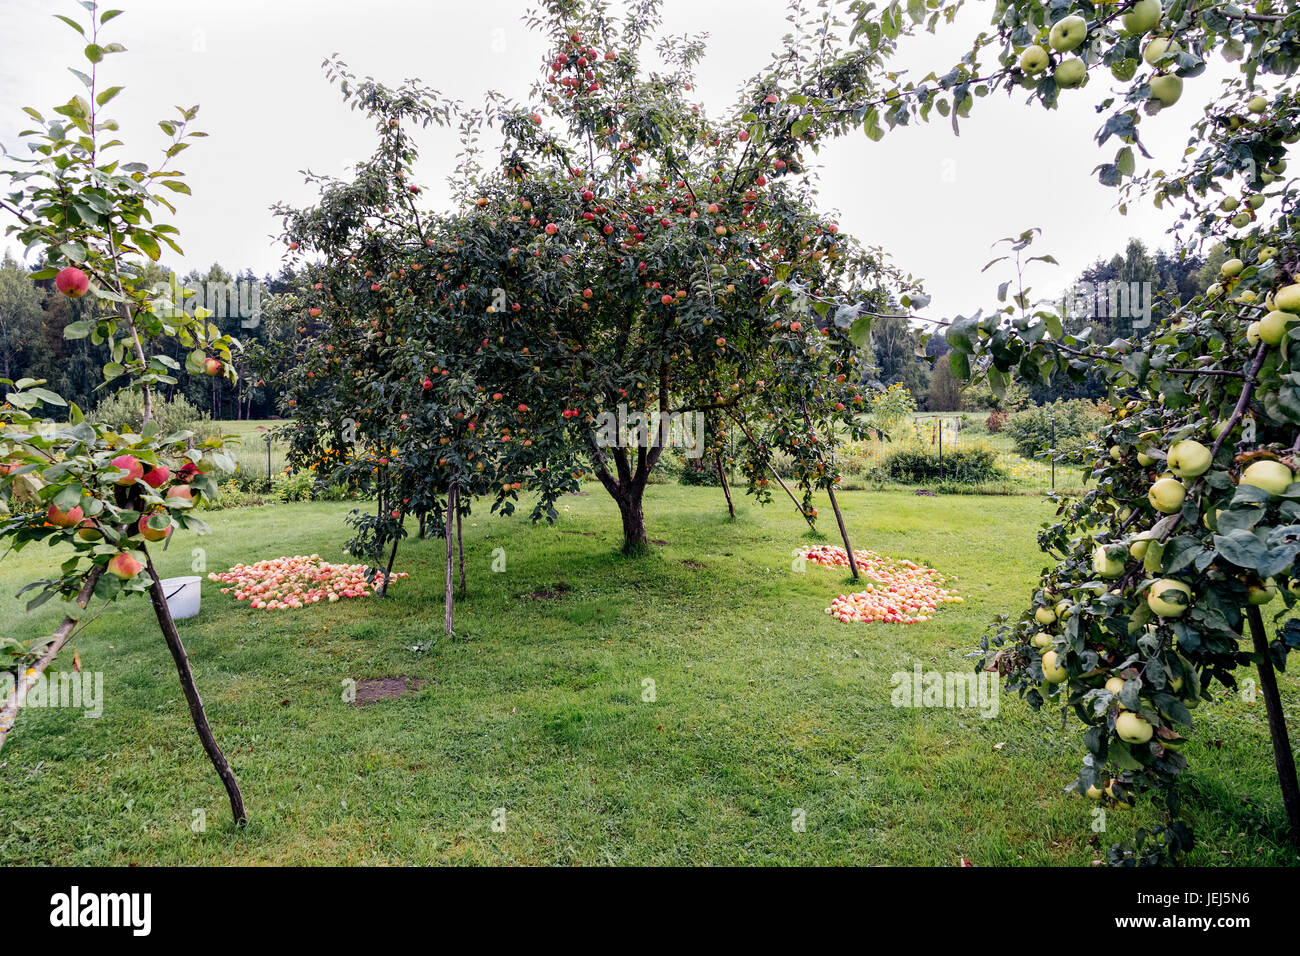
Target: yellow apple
<point>1034,60</point>
<point>1115,685</point>
<point>1133,728</point>
<point>1166,495</point>
<point>1288,298</point>
<point>1167,89</point>
<point>1273,476</point>
<point>1272,327</point>
<point>1070,73</point>
<point>1053,672</point>
<point>1232,267</point>
<point>1163,599</point>
<point>1045,616</point>
<point>1068,33</point>
<point>1042,640</point>
<point>1143,16</point>
<point>1189,459</point>
<point>1104,565</point>
<point>1157,47</point>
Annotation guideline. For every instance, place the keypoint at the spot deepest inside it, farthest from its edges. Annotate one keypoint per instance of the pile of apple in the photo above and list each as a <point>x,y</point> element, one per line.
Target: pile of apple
<point>899,592</point>
<point>295,582</point>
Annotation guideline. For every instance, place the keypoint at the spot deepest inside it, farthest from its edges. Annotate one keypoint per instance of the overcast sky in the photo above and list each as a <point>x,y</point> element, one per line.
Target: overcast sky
<point>935,202</point>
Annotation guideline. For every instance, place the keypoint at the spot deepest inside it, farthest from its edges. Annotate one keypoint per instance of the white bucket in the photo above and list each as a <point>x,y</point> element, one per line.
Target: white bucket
<point>182,596</point>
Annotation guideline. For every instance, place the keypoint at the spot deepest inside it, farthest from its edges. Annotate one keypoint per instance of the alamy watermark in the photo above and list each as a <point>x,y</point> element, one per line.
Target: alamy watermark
<point>955,691</point>
<point>653,429</point>
<point>83,691</point>
<point>1112,299</point>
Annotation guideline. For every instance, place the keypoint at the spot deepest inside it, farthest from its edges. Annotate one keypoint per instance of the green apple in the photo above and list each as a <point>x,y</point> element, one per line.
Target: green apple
<point>1278,168</point>
<point>1273,476</point>
<point>1257,104</point>
<point>1157,47</point>
<point>1043,641</point>
<point>1094,792</point>
<point>1163,597</point>
<point>1115,685</point>
<point>1272,327</point>
<point>1166,495</point>
<point>1139,545</point>
<point>1254,201</point>
<point>1232,267</point>
<point>1252,333</point>
<point>1034,60</point>
<point>1045,616</point>
<point>1189,459</point>
<point>1167,89</point>
<point>1070,73</point>
<point>1143,16</point>
<point>1063,610</point>
<point>1104,565</point>
<point>1241,220</point>
<point>1230,204</point>
<point>1262,593</point>
<point>1068,33</point>
<point>1133,729</point>
<point>1053,672</point>
<point>1145,460</point>
<point>1267,253</point>
<point>1288,298</point>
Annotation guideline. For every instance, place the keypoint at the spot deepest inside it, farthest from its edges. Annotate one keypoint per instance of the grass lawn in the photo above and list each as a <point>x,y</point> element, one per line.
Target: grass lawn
<point>763,706</point>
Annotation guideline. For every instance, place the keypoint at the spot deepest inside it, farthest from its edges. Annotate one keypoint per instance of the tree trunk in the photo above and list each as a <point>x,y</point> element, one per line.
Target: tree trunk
<point>848,545</point>
<point>726,487</point>
<point>422,515</point>
<point>630,507</point>
<point>28,679</point>
<point>1283,759</point>
<point>460,547</point>
<point>388,573</point>
<point>451,508</point>
<point>173,638</point>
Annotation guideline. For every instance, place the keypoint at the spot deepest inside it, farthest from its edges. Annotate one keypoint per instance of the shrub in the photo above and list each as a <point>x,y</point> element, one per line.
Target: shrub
<point>915,464</point>
<point>292,486</point>
<point>124,412</point>
<point>996,421</point>
<point>698,473</point>
<point>1077,421</point>
<point>895,404</point>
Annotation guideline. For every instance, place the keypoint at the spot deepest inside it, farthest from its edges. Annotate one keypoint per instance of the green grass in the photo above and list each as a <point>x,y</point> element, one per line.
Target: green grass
<point>763,705</point>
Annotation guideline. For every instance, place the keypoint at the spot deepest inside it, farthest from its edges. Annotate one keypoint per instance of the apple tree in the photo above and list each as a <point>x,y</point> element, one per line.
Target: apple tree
<point>99,496</point>
<point>1165,569</point>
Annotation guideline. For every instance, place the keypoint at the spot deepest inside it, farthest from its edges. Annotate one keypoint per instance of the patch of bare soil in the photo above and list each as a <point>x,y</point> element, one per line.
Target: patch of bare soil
<point>374,689</point>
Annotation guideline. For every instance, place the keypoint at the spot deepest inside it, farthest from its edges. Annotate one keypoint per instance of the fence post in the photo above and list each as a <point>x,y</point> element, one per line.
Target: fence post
<point>268,461</point>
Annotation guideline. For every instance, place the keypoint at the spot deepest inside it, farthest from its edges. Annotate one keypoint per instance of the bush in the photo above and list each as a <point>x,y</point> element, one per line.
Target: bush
<point>920,464</point>
<point>996,421</point>
<point>124,412</point>
<point>292,486</point>
<point>1077,422</point>
<point>697,473</point>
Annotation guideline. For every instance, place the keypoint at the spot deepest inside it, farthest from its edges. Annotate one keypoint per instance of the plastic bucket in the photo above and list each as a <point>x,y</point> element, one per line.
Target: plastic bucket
<point>182,596</point>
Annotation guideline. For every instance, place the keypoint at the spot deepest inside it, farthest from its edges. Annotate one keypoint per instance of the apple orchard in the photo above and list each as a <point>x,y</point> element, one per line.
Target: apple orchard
<point>618,248</point>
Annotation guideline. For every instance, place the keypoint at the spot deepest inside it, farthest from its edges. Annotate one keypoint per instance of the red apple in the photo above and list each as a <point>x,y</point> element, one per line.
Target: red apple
<point>89,531</point>
<point>131,465</point>
<point>124,566</point>
<point>157,476</point>
<point>152,534</point>
<point>63,519</point>
<point>180,491</point>
<point>72,282</point>
<point>213,367</point>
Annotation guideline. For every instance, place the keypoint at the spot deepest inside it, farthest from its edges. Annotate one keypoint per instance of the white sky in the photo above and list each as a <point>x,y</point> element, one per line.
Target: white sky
<point>934,201</point>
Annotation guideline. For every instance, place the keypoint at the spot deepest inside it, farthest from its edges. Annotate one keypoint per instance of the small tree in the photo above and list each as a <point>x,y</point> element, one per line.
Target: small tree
<point>98,493</point>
